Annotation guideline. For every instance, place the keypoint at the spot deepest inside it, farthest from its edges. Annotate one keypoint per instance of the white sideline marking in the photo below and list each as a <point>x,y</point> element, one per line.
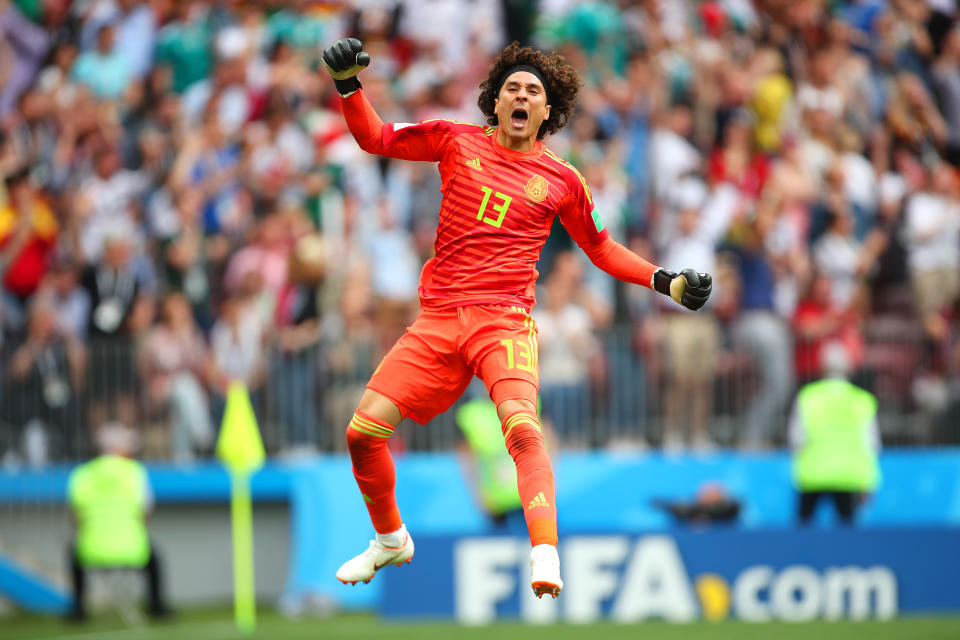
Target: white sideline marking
<point>221,629</point>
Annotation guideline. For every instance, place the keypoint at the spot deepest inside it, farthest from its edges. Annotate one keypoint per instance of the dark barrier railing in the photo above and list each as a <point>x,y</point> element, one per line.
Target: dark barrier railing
<point>622,394</point>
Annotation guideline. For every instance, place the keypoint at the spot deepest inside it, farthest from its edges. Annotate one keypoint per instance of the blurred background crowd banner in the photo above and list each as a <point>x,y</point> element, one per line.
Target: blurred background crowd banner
<point>182,206</point>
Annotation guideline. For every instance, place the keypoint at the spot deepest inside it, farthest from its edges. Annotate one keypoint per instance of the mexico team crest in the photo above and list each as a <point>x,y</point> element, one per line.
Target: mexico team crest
<point>536,188</point>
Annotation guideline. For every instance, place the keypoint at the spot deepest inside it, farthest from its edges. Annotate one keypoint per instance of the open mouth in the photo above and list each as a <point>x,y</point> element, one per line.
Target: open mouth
<point>518,119</point>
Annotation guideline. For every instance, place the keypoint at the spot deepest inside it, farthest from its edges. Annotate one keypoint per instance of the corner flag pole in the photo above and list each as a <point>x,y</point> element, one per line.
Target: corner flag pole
<point>241,516</point>
<point>240,448</point>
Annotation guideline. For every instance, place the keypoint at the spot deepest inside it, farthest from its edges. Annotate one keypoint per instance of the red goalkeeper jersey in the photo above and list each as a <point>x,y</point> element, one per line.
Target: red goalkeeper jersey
<point>497,209</point>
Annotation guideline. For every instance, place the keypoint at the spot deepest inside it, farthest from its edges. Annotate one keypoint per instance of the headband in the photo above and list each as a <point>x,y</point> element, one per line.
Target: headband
<point>524,67</point>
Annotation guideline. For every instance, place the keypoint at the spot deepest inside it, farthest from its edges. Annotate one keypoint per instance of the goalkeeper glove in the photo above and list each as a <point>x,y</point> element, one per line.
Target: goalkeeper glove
<point>688,288</point>
<point>344,59</point>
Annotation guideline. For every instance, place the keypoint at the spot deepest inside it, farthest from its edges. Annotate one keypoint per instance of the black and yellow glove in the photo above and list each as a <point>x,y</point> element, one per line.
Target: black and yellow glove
<point>344,59</point>
<point>688,288</point>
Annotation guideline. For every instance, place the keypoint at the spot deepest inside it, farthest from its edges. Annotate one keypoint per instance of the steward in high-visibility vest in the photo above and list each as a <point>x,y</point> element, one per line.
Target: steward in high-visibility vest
<point>496,472</point>
<point>835,439</point>
<point>110,499</point>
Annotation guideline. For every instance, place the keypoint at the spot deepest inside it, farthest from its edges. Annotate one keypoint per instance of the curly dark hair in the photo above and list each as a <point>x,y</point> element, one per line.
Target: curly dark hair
<point>563,84</point>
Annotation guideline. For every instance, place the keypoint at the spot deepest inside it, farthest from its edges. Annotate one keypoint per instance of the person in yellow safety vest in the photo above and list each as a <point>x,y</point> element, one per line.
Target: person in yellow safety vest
<point>835,439</point>
<point>493,470</point>
<point>110,501</point>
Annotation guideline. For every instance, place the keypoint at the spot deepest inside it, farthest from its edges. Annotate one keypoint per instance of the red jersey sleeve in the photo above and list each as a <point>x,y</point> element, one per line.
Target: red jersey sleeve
<point>422,141</point>
<point>582,222</point>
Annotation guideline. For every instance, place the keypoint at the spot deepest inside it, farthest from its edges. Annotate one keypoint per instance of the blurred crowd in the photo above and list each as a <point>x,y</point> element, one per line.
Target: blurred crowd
<point>182,206</point>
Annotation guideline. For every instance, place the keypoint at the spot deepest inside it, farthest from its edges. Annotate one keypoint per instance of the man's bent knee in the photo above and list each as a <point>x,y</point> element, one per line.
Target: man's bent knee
<point>376,405</point>
<point>358,441</point>
<point>509,407</point>
<point>514,395</point>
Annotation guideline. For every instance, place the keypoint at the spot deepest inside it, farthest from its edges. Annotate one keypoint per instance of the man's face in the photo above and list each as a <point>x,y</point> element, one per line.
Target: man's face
<point>107,163</point>
<point>522,106</point>
<point>21,195</point>
<point>116,253</point>
<point>105,40</point>
<point>41,325</point>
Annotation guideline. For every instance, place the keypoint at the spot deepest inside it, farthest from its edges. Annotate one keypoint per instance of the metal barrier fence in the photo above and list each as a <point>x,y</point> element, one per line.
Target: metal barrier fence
<point>735,392</point>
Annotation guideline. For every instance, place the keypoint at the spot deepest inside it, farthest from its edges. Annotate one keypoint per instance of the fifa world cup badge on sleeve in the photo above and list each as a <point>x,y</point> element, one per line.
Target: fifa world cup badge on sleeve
<point>536,188</point>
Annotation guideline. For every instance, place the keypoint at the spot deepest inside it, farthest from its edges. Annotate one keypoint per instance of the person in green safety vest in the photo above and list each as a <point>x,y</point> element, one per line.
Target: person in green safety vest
<point>110,500</point>
<point>835,439</point>
<point>489,464</point>
<point>493,470</point>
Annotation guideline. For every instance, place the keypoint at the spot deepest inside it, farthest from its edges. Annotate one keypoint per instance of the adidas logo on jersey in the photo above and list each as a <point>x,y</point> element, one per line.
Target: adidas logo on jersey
<point>539,500</point>
<point>474,164</point>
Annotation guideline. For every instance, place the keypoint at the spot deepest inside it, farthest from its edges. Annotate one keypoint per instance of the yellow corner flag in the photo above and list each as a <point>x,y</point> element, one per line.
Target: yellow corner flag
<point>240,448</point>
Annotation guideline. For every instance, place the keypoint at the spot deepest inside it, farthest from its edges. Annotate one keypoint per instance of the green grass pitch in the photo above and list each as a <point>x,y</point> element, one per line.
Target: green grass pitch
<point>218,626</point>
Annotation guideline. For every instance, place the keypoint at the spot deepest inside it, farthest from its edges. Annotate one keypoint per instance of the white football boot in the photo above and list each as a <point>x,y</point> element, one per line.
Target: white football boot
<point>377,556</point>
<point>545,570</point>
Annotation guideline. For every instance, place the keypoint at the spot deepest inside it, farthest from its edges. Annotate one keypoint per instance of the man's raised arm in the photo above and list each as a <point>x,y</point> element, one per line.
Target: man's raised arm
<point>344,59</point>
<point>688,288</point>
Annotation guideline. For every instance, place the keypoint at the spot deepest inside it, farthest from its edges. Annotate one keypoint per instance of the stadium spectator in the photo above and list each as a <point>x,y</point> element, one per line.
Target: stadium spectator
<point>108,199</point>
<point>352,348</point>
<point>932,228</point>
<point>45,379</point>
<point>172,361</point>
<point>70,301</point>
<point>692,341</point>
<point>224,95</point>
<point>28,236</point>
<point>184,254</point>
<point>839,255</point>
<point>135,28</point>
<point>209,161</point>
<point>913,118</point>
<point>185,44</point>
<point>121,307</point>
<point>394,269</point>
<point>764,335</point>
<point>22,49</point>
<point>567,347</point>
<point>106,70</point>
<point>237,349</point>
<point>736,159</point>
<point>672,158</point>
<point>32,135</point>
<point>296,356</point>
<point>819,321</point>
<point>946,78</point>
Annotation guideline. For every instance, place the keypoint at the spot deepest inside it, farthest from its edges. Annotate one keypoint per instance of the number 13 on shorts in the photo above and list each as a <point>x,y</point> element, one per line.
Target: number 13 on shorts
<point>522,354</point>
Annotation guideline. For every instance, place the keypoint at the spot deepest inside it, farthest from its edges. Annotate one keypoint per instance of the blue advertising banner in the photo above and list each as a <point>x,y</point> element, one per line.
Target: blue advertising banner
<point>685,575</point>
<point>600,493</point>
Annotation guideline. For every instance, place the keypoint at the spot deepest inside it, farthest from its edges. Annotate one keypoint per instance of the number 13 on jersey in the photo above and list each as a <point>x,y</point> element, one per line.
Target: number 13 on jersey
<point>501,208</point>
<point>521,354</point>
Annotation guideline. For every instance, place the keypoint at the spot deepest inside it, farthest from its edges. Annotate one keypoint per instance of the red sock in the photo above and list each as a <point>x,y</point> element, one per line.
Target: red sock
<point>373,468</point>
<point>521,431</point>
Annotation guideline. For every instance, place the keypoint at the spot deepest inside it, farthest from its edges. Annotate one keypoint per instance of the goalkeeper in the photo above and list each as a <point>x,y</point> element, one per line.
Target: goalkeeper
<point>501,189</point>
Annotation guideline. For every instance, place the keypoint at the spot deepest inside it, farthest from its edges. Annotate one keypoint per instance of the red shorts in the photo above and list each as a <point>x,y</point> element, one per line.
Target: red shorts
<point>431,365</point>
